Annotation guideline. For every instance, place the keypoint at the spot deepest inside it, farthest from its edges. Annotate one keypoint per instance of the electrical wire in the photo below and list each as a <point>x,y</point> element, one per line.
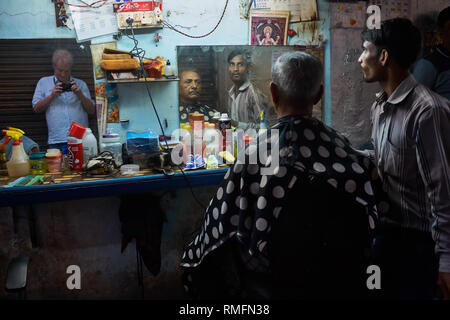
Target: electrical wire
<point>103,2</point>
<point>87,5</point>
<point>140,53</point>
<point>204,35</point>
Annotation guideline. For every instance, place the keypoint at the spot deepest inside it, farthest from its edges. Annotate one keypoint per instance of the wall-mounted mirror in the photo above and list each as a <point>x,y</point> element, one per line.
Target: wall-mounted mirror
<point>231,79</point>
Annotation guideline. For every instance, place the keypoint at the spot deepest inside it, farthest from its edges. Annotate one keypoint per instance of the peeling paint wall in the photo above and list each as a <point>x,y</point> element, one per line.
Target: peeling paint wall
<point>351,97</point>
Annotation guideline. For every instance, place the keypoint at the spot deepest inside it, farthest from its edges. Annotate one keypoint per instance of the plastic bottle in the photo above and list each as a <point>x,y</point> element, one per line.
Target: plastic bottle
<point>111,143</point>
<point>224,126</point>
<point>211,138</point>
<point>215,119</point>
<point>168,70</point>
<point>75,153</point>
<point>75,146</point>
<point>19,164</point>
<point>90,148</point>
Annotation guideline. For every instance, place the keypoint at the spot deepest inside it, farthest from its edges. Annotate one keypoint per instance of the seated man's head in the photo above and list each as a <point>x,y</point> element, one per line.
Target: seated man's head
<point>443,23</point>
<point>62,65</point>
<point>190,86</point>
<point>296,83</point>
<point>238,63</point>
<point>395,46</point>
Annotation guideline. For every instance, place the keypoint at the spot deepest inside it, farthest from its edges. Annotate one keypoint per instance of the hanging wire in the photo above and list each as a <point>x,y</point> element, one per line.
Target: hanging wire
<point>100,3</point>
<point>140,53</point>
<point>204,35</point>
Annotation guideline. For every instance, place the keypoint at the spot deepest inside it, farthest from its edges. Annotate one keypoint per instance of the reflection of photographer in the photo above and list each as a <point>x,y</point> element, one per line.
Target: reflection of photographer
<point>63,98</point>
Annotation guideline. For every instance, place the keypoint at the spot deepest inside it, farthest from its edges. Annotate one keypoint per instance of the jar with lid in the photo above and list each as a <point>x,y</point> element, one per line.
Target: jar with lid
<point>111,143</point>
<point>38,165</point>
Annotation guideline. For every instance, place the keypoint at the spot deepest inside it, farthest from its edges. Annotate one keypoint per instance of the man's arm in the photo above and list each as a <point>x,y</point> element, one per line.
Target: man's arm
<point>84,96</point>
<point>40,101</point>
<point>433,155</point>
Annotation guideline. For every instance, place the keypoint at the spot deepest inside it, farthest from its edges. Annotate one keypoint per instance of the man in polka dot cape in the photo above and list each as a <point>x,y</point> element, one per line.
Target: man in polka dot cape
<point>274,235</point>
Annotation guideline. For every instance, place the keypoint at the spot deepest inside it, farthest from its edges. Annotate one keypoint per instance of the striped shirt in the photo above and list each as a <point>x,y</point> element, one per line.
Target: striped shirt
<point>411,136</point>
<point>246,106</point>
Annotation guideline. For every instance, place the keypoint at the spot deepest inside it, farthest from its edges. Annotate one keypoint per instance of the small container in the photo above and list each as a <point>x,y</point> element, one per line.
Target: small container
<point>215,119</point>
<point>196,116</point>
<point>38,164</point>
<point>129,169</point>
<point>111,143</point>
<point>53,161</point>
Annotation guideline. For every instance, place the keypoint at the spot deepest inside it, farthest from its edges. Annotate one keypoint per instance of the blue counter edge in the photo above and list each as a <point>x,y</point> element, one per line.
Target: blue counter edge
<point>100,188</point>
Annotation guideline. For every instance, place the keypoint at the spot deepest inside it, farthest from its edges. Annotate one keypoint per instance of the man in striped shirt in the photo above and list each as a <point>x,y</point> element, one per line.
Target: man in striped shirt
<point>410,133</point>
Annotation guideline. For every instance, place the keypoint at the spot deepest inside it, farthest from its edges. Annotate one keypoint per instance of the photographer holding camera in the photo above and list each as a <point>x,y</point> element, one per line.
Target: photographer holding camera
<point>63,98</point>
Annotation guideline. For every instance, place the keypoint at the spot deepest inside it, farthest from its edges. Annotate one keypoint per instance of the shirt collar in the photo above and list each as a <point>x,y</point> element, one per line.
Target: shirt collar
<point>241,88</point>
<point>245,86</point>
<point>55,79</point>
<point>400,93</point>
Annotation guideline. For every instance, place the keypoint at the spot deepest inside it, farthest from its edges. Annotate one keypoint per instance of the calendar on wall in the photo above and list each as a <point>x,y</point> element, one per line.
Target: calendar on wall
<point>392,8</point>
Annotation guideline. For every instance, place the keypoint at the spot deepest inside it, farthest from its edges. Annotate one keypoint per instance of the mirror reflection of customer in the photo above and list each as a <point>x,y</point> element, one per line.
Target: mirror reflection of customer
<point>433,70</point>
<point>267,39</point>
<point>190,90</point>
<point>245,101</point>
<point>270,235</point>
<point>61,105</point>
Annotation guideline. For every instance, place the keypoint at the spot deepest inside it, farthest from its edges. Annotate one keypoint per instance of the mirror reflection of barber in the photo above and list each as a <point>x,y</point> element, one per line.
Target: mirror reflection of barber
<point>245,101</point>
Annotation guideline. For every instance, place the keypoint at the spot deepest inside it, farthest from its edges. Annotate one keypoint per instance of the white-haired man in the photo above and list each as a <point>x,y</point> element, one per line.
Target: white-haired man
<point>64,99</point>
<point>301,231</point>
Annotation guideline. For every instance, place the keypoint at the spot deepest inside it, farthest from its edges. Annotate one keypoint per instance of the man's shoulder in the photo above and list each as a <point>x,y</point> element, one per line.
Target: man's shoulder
<point>438,60</point>
<point>78,80</point>
<point>45,79</point>
<point>424,98</point>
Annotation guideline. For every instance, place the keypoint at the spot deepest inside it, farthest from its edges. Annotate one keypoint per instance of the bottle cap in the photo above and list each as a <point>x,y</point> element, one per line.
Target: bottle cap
<point>37,155</point>
<point>76,130</point>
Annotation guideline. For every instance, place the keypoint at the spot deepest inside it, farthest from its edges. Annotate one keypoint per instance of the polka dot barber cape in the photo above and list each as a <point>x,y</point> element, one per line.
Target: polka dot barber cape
<point>200,108</point>
<point>249,201</point>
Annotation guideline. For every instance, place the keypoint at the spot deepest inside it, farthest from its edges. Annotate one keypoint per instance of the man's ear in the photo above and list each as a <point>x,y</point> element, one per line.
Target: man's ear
<point>319,95</point>
<point>383,57</point>
<point>275,92</point>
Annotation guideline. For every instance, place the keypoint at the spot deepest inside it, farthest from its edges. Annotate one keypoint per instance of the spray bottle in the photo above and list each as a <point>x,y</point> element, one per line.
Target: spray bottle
<point>19,164</point>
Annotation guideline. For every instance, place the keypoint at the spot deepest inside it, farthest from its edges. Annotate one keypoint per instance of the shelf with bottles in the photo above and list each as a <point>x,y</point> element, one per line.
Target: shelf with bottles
<point>134,77</point>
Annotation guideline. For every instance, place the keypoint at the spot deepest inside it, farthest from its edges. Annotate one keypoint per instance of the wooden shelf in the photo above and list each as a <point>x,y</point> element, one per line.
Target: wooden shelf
<point>141,81</point>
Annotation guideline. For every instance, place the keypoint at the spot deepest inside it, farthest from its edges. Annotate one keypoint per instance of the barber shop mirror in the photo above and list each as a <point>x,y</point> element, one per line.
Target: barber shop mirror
<point>231,79</point>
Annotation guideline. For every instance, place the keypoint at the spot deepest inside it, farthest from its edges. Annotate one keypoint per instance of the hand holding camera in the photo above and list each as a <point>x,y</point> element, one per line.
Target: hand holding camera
<point>67,86</point>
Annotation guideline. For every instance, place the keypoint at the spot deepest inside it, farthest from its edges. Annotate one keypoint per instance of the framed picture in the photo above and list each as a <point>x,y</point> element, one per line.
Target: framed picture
<point>268,28</point>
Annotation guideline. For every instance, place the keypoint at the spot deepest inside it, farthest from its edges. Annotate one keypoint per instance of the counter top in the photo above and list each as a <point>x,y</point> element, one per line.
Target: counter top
<point>59,187</point>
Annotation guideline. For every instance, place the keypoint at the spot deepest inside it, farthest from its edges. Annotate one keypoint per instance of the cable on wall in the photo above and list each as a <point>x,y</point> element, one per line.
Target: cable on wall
<point>139,53</point>
<point>204,35</point>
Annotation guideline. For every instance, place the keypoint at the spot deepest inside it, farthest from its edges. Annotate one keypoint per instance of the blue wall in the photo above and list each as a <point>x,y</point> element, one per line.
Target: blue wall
<point>36,19</point>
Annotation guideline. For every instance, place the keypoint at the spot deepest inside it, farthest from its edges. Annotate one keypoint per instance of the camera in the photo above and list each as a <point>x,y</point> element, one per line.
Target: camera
<point>66,86</point>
